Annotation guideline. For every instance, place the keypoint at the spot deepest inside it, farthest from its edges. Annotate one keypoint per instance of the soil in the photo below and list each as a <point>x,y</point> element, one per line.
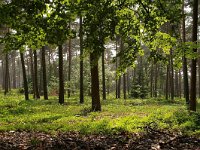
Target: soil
<point>150,140</point>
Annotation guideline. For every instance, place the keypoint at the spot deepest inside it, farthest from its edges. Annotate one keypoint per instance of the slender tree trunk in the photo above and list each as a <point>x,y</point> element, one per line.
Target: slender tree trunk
<point>156,80</point>
<point>185,70</point>
<point>96,105</point>
<point>128,81</point>
<point>103,77</point>
<point>176,84</point>
<point>194,61</point>
<point>61,76</point>
<point>69,70</point>
<point>180,84</point>
<point>116,81</point>
<point>24,77</point>
<point>199,75</point>
<point>32,73</point>
<point>14,70</point>
<point>6,74</point>
<point>167,84</point>
<point>172,75</point>
<point>151,80</point>
<point>81,61</point>
<point>37,95</point>
<point>44,74</point>
<point>41,74</point>
<point>124,85</point>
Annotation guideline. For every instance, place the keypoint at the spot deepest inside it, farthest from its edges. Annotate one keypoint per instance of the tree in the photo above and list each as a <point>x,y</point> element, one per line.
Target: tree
<point>37,94</point>
<point>6,75</point>
<point>103,76</point>
<point>24,77</point>
<point>44,73</point>
<point>81,60</point>
<point>192,103</point>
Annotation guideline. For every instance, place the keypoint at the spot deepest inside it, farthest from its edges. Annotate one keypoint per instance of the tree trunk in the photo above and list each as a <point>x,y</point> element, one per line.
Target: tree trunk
<point>6,77</point>
<point>81,61</point>
<point>14,70</point>
<point>180,84</point>
<point>194,61</point>
<point>103,77</point>
<point>44,74</point>
<point>151,80</point>
<point>156,81</point>
<point>116,81</point>
<point>32,73</point>
<point>176,84</point>
<point>61,76</point>
<point>185,70</point>
<point>37,95</point>
<point>167,84</point>
<point>24,77</point>
<point>96,105</point>
<point>172,75</point>
<point>69,69</point>
<point>124,85</point>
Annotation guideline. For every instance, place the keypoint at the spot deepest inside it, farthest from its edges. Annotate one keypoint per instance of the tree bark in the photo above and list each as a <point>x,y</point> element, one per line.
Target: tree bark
<point>61,76</point>
<point>44,74</point>
<point>167,83</point>
<point>6,77</point>
<point>81,61</point>
<point>24,77</point>
<point>103,77</point>
<point>13,70</point>
<point>185,69</point>
<point>32,73</point>
<point>96,105</point>
<point>37,95</point>
<point>192,103</point>
<point>69,69</point>
<point>124,85</point>
<point>172,75</point>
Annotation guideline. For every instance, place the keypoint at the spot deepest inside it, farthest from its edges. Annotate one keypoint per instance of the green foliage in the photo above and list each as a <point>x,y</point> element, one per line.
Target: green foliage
<point>138,91</point>
<point>116,116</point>
<point>53,85</point>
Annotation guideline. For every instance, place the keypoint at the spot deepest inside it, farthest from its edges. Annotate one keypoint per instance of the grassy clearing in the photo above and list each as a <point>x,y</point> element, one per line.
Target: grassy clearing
<point>116,116</point>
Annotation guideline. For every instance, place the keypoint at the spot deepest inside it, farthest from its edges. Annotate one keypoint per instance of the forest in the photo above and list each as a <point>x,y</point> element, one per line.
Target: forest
<point>99,74</point>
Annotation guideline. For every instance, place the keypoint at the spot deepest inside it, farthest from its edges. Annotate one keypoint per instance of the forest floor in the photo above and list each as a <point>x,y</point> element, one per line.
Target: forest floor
<point>131,124</point>
<point>152,140</point>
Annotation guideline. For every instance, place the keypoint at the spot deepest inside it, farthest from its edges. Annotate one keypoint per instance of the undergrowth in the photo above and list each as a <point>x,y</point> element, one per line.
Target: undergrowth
<point>131,115</point>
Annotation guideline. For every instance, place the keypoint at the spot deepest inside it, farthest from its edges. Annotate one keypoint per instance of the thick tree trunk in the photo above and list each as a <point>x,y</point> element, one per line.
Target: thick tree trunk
<point>81,61</point>
<point>37,95</point>
<point>61,76</point>
<point>194,61</point>
<point>96,105</point>
<point>103,77</point>
<point>44,75</point>
<point>24,77</point>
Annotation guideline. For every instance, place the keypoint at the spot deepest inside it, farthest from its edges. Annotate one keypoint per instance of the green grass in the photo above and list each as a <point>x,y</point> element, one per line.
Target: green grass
<point>116,116</point>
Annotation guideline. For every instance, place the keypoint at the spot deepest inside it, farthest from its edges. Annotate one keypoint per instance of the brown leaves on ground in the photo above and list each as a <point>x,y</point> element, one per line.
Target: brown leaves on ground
<point>153,139</point>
